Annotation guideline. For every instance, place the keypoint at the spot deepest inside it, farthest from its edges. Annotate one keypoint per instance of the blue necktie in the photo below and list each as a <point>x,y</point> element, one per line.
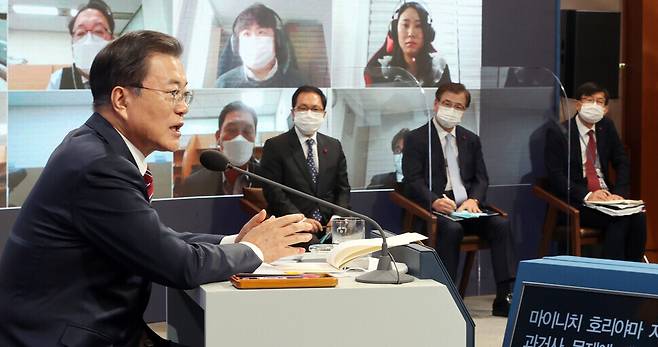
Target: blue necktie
<point>458,189</point>
<point>310,163</point>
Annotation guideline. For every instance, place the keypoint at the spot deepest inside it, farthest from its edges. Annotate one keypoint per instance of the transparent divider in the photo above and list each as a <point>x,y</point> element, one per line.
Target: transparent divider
<point>372,125</point>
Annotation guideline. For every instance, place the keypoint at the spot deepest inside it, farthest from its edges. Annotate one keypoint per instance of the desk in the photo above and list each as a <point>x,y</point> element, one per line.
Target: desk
<point>420,313</point>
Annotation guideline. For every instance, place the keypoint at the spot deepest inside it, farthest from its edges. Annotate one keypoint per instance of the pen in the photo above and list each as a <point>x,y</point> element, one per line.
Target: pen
<point>325,237</point>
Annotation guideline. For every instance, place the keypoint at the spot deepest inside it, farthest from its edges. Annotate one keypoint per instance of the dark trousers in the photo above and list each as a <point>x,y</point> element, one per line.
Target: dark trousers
<point>496,230</point>
<point>624,237</point>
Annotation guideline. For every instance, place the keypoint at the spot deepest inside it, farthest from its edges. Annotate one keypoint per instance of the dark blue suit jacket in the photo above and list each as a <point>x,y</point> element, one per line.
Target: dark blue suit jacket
<point>283,161</point>
<point>78,265</point>
<point>609,149</point>
<point>416,165</point>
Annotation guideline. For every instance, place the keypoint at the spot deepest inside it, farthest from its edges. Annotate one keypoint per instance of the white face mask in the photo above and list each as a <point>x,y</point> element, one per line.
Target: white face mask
<point>398,167</point>
<point>86,49</point>
<point>308,122</point>
<point>238,150</point>
<point>448,117</point>
<point>256,51</point>
<point>591,112</point>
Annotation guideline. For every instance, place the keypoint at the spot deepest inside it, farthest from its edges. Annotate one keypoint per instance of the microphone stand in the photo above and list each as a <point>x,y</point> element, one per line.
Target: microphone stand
<point>384,274</point>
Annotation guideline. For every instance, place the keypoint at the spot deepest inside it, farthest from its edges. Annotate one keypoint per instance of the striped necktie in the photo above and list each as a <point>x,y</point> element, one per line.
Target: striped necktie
<point>148,181</point>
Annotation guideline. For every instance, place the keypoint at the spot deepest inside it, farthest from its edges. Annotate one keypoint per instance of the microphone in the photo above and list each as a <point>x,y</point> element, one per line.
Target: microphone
<point>216,161</point>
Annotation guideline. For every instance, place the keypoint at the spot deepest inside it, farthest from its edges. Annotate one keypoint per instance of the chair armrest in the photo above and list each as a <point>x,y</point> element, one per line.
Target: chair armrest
<point>411,207</point>
<point>555,202</point>
<point>499,211</point>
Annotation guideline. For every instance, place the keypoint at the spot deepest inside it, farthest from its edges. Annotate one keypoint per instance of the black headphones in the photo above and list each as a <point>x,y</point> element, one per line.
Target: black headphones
<point>278,30</point>
<point>428,31</point>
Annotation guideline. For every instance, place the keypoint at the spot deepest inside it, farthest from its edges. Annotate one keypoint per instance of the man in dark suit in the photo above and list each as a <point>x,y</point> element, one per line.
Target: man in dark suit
<point>235,137</point>
<point>595,146</point>
<point>306,160</point>
<point>78,265</point>
<point>391,179</point>
<point>459,183</point>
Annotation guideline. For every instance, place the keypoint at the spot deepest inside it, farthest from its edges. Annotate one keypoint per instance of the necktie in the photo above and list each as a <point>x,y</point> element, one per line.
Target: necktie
<point>310,163</point>
<point>148,181</point>
<point>593,183</point>
<point>458,189</point>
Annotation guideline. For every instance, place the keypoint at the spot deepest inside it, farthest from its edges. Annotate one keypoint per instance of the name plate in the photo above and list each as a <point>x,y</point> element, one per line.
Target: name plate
<point>565,316</point>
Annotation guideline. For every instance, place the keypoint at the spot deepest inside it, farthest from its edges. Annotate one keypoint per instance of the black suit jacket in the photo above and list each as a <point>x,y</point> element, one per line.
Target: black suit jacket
<point>78,265</point>
<point>416,164</point>
<point>283,161</point>
<point>609,149</point>
<point>206,182</point>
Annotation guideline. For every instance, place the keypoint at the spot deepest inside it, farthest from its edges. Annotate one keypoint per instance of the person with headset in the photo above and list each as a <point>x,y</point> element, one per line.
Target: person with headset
<point>265,53</point>
<point>91,29</point>
<point>235,136</point>
<point>408,46</point>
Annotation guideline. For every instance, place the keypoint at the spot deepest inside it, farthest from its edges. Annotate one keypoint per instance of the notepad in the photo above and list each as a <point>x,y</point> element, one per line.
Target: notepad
<point>344,252</point>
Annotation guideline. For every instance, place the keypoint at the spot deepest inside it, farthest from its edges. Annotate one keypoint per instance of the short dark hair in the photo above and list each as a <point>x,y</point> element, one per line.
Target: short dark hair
<point>399,136</point>
<point>258,14</point>
<point>125,61</point>
<point>309,89</point>
<point>456,88</point>
<point>98,5</point>
<point>236,106</point>
<point>589,89</point>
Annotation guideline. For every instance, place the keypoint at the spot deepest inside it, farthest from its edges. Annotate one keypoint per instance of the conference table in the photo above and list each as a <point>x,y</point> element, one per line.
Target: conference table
<point>420,313</point>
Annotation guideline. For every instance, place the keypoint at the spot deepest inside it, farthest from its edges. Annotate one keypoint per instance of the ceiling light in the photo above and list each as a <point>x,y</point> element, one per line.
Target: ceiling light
<point>37,10</point>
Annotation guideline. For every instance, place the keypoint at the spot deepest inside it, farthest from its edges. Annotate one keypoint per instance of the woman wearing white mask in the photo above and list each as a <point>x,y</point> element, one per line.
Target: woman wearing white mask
<point>266,56</point>
<point>91,30</point>
<point>235,137</point>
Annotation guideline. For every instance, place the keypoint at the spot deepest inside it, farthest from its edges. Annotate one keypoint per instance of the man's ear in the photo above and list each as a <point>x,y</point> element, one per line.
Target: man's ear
<point>436,106</point>
<point>218,133</point>
<point>605,109</point>
<point>120,98</point>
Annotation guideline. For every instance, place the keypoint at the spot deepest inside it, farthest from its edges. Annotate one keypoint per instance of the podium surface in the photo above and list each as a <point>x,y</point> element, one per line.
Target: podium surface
<point>420,313</point>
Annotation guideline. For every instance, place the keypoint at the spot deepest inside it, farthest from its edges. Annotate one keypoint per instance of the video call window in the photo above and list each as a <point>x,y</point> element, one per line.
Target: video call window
<point>53,43</point>
<point>266,44</point>
<point>442,37</point>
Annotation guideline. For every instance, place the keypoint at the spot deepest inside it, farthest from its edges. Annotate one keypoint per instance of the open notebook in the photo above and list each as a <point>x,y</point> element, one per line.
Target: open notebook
<point>346,251</point>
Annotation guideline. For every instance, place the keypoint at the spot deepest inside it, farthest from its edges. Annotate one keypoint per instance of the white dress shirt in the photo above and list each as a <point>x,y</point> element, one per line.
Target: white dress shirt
<point>453,141</point>
<point>140,159</point>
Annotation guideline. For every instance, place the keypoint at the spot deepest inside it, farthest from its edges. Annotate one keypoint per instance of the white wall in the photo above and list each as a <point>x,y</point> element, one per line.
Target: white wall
<point>40,47</point>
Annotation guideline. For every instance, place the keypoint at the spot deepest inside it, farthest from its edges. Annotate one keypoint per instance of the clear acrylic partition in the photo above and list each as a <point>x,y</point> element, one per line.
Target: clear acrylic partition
<point>512,110</point>
<point>371,124</point>
<point>38,121</point>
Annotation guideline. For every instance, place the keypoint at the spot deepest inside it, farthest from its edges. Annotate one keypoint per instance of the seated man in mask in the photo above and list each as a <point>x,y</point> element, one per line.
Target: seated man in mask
<point>265,52</point>
<point>91,29</point>
<point>595,148</point>
<point>235,137</point>
<point>459,183</point>
<point>306,160</point>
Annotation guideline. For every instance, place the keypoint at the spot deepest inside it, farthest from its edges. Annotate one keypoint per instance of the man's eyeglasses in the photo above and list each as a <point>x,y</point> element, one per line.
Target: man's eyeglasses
<point>456,106</point>
<point>177,95</point>
<point>97,31</point>
<point>590,100</point>
<point>306,108</point>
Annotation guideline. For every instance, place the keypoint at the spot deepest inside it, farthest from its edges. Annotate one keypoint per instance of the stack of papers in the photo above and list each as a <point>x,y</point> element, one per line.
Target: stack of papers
<point>617,207</point>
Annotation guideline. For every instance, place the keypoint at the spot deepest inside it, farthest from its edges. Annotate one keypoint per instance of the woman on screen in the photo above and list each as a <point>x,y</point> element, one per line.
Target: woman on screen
<point>408,47</point>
